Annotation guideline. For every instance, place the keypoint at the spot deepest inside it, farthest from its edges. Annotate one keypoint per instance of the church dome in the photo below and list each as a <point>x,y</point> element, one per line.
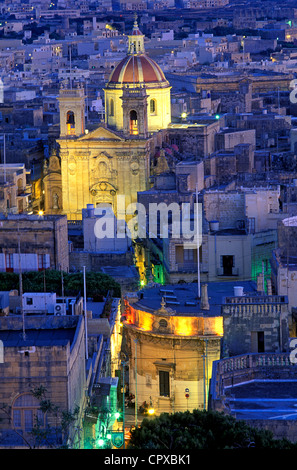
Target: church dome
<point>137,94</point>
<point>138,69</point>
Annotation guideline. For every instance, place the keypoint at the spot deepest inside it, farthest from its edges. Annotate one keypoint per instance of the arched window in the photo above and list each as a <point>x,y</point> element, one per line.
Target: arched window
<point>153,106</point>
<point>70,122</point>
<point>111,107</point>
<point>133,123</point>
<point>163,323</point>
<point>26,413</point>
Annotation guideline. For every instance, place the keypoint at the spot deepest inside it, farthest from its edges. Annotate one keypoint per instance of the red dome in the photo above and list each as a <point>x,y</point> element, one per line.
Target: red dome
<point>137,69</point>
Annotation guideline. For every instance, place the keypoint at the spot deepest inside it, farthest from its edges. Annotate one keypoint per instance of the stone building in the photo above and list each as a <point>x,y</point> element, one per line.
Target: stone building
<point>112,159</point>
<point>15,192</point>
<point>284,266</point>
<point>101,249</point>
<point>171,341</point>
<point>240,231</point>
<point>255,323</point>
<point>33,243</point>
<point>51,354</point>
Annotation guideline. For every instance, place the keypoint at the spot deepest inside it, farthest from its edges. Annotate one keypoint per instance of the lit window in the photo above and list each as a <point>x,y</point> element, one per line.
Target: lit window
<point>111,108</point>
<point>153,106</point>
<point>133,123</point>
<point>70,123</point>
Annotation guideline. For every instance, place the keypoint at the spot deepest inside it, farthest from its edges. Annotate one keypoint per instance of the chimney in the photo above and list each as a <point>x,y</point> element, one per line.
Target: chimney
<point>204,305</point>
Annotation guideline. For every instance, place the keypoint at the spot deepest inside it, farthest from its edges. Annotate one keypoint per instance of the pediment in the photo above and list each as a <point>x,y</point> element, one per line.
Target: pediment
<point>101,133</point>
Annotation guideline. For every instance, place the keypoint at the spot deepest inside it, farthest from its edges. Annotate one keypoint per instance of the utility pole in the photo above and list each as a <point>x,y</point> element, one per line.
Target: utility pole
<point>4,159</point>
<point>123,373</point>
<point>21,283</point>
<point>198,243</point>
<point>136,420</point>
<point>85,310</point>
<point>204,400</point>
<point>70,67</point>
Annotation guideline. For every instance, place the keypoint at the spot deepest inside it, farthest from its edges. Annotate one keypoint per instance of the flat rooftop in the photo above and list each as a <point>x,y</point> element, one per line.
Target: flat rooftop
<point>44,337</point>
<point>183,298</point>
<point>39,330</point>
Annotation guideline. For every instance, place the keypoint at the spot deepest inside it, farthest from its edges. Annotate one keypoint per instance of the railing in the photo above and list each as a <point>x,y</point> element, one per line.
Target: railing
<point>256,308</point>
<point>186,267</point>
<point>251,361</point>
<point>221,272</point>
<point>271,299</point>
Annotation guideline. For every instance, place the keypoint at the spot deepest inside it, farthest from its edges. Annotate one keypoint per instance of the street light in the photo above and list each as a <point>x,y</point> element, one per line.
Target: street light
<point>151,410</point>
<point>100,442</point>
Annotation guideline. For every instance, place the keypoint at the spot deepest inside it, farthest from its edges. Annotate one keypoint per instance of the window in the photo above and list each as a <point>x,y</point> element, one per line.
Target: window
<point>153,106</point>
<point>25,413</point>
<point>189,254</point>
<point>9,262</point>
<point>227,263</point>
<point>70,123</point>
<point>164,383</point>
<point>29,301</point>
<point>133,123</point>
<point>257,342</point>
<point>41,262</point>
<point>163,323</point>
<point>111,108</point>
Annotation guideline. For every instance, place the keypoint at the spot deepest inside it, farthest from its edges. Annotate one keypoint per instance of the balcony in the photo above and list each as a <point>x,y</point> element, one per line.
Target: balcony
<point>186,267</point>
<point>223,272</point>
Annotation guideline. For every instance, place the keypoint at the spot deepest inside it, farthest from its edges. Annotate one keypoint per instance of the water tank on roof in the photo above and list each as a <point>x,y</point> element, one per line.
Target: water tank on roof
<point>238,291</point>
<point>90,209</point>
<point>214,225</point>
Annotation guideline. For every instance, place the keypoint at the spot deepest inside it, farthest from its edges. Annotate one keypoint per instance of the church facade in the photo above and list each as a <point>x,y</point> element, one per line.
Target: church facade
<point>114,159</point>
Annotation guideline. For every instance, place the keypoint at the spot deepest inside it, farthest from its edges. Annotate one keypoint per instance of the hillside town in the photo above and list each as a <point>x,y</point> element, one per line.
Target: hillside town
<point>148,217</point>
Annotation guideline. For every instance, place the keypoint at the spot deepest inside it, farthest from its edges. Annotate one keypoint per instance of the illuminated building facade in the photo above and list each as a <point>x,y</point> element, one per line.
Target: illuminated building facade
<point>171,340</point>
<point>97,165</point>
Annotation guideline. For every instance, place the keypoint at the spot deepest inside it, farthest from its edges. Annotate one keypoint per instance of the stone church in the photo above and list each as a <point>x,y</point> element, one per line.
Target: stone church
<point>114,159</point>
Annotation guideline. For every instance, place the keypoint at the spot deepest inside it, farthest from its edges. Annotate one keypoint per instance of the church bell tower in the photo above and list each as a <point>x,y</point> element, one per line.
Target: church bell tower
<point>72,111</point>
<point>135,112</point>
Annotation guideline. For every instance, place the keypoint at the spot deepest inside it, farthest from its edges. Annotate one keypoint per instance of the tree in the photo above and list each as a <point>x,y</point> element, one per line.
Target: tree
<point>54,430</point>
<point>97,283</point>
<point>207,430</point>
<point>58,432</point>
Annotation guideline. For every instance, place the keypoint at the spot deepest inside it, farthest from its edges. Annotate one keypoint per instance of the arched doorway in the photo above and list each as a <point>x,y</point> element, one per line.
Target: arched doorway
<point>70,121</point>
<point>133,123</point>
